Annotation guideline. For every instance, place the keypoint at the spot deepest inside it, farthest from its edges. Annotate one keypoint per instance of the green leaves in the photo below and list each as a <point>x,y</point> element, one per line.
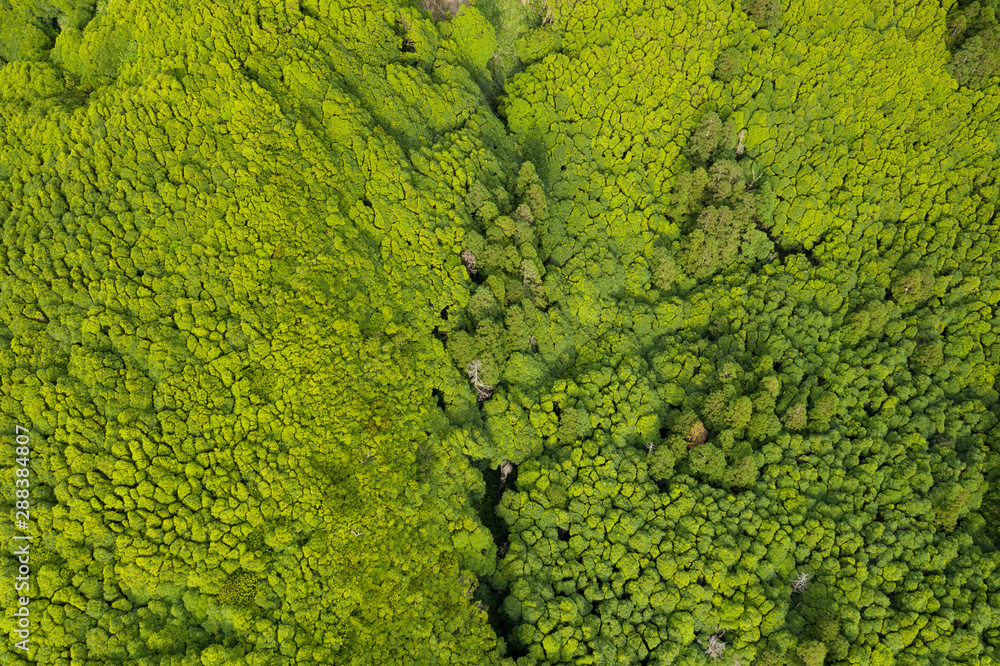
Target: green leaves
<point>812,653</point>
<point>661,463</point>
<point>796,416</point>
<point>914,287</point>
<point>765,13</point>
<point>729,65</point>
<point>205,305</point>
<point>537,44</point>
<point>973,30</point>
<point>238,590</point>
<point>951,501</point>
<point>503,310</point>
<point>711,139</point>
<point>474,36</point>
<point>96,53</point>
<point>707,462</point>
<point>724,218</point>
<point>236,298</point>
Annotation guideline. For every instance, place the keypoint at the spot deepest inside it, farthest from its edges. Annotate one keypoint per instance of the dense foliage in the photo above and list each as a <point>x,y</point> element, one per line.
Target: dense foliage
<point>223,261</point>
<point>586,333</point>
<point>973,37</point>
<point>808,376</point>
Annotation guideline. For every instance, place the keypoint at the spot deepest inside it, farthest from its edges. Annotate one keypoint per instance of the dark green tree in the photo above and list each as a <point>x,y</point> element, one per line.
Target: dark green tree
<point>972,36</point>
<point>765,13</point>
<point>712,138</point>
<point>729,65</point>
<point>707,462</point>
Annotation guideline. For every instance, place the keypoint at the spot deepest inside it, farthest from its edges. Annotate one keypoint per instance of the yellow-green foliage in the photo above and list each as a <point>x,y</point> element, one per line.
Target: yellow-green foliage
<point>475,36</point>
<point>238,591</point>
<point>274,276</point>
<point>229,233</point>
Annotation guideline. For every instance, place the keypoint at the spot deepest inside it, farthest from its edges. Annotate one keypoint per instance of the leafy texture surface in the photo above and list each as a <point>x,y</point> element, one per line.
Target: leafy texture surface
<point>587,333</point>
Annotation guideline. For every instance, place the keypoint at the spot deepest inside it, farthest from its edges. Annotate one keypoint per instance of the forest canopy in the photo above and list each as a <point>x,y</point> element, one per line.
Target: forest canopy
<point>506,332</point>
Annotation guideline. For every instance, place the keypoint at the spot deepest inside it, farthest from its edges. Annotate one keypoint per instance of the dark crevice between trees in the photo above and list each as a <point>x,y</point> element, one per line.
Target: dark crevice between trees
<point>439,395</point>
<point>491,499</point>
<point>781,252</point>
<point>250,74</point>
<point>486,508</point>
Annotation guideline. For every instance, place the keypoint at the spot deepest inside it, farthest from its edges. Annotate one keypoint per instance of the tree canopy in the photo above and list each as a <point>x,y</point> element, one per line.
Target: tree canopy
<point>576,332</point>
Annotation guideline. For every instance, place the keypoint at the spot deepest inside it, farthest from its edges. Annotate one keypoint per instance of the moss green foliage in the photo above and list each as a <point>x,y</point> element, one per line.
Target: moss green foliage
<point>721,205</point>
<point>841,380</point>
<point>279,282</point>
<point>973,37</point>
<point>729,64</point>
<point>238,590</point>
<point>765,13</point>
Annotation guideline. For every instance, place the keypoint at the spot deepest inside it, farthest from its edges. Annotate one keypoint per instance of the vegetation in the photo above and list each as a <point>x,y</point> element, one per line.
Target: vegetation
<point>586,333</point>
<point>973,38</point>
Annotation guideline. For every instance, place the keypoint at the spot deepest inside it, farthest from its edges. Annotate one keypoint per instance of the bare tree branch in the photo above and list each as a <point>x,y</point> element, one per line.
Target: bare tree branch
<point>716,646</point>
<point>469,260</point>
<point>800,583</point>
<point>505,469</point>
<point>483,390</point>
